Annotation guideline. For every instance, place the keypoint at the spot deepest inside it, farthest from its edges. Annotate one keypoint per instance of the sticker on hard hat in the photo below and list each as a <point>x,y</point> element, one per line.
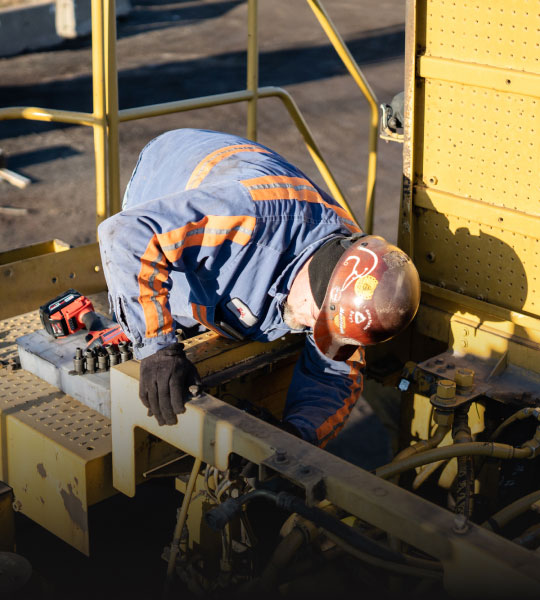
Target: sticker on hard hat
<point>366,263</point>
<point>365,287</point>
<point>339,321</point>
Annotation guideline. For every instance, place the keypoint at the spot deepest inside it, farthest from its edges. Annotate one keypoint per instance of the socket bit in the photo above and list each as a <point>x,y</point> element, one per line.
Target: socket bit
<point>114,355</point>
<point>90,361</point>
<point>78,362</point>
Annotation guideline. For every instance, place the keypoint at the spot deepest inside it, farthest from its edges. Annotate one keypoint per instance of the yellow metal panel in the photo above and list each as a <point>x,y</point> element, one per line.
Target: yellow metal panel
<point>481,261</point>
<point>26,284</point>
<point>32,251</point>
<point>481,144</point>
<point>502,80</point>
<point>500,33</point>
<point>48,443</point>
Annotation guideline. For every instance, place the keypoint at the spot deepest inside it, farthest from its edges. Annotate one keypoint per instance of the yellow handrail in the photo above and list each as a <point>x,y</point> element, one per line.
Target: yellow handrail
<point>361,81</point>
<point>106,116</point>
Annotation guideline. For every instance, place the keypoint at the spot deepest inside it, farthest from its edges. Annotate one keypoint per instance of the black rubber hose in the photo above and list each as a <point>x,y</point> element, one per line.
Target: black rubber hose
<point>219,516</point>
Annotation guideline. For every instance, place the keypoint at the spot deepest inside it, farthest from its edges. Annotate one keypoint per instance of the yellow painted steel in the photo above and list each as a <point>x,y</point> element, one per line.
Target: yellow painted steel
<point>361,81</point>
<point>34,113</point>
<point>111,102</point>
<point>100,109</point>
<point>473,141</point>
<point>252,68</point>
<point>30,281</point>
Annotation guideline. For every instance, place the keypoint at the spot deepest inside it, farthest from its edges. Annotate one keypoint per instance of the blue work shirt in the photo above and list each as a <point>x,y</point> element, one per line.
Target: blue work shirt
<point>214,229</point>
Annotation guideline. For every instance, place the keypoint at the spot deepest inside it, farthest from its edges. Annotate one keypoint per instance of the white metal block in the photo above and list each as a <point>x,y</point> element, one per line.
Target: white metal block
<point>52,360</point>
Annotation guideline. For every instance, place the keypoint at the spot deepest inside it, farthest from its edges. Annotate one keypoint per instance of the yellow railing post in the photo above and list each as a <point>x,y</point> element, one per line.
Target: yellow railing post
<point>252,68</point>
<point>111,102</point>
<point>100,126</point>
<point>358,76</point>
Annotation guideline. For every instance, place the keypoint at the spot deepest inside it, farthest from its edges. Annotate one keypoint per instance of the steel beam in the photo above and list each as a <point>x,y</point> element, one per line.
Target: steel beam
<point>476,562</point>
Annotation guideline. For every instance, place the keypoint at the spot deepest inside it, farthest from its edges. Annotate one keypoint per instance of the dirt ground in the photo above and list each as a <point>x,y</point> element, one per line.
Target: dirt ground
<point>188,48</point>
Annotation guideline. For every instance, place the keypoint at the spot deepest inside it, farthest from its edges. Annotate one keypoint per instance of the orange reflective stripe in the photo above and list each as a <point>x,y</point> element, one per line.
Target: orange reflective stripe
<point>280,187</point>
<point>200,314</point>
<point>333,425</point>
<point>152,295</point>
<point>210,231</point>
<point>210,161</point>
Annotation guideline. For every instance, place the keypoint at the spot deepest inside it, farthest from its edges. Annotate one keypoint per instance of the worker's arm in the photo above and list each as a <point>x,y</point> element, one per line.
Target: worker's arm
<point>186,233</point>
<point>322,394</point>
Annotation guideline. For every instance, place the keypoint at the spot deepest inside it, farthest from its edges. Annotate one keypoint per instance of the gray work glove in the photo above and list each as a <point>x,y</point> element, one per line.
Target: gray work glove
<point>165,381</point>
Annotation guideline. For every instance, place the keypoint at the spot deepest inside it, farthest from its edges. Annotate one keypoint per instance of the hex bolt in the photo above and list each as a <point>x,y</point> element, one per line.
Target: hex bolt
<point>461,524</point>
<point>281,456</point>
<point>195,390</point>
<point>114,355</point>
<point>78,362</point>
<point>464,378</point>
<point>446,389</point>
<point>90,361</point>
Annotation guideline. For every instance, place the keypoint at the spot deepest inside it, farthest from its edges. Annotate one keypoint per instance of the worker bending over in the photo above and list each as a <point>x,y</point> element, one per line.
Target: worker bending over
<point>223,232</point>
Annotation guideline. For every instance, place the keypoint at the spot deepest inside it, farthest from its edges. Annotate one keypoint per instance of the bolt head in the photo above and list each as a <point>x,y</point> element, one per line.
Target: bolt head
<point>446,389</point>
<point>464,377</point>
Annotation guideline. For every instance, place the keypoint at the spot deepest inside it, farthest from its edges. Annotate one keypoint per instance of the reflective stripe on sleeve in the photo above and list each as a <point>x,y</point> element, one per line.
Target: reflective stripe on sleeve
<point>212,159</point>
<point>333,425</point>
<point>166,248</point>
<point>152,295</point>
<point>281,187</point>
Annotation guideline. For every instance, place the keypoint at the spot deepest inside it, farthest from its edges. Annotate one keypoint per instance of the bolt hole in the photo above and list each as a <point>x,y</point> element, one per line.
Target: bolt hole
<point>90,448</point>
<point>501,219</point>
<point>72,275</point>
<point>508,81</point>
<point>54,280</point>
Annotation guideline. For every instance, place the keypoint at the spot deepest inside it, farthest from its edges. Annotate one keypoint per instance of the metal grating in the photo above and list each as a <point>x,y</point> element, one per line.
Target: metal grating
<point>479,260</point>
<point>499,33</point>
<point>482,144</point>
<point>42,406</point>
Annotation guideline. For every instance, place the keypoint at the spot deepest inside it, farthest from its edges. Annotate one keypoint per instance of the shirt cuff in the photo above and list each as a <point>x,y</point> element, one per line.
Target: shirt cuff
<point>149,346</point>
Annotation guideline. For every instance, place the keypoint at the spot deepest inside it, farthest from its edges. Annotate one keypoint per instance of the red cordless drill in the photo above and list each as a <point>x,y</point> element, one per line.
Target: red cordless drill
<point>70,312</point>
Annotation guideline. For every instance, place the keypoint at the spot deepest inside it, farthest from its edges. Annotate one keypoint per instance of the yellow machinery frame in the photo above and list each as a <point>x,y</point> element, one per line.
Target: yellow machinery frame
<point>106,115</point>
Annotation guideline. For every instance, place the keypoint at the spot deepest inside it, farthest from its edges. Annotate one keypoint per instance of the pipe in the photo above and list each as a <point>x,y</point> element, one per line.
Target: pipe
<point>99,112</point>
<point>111,107</point>
<point>51,115</point>
<point>252,68</point>
<point>402,568</point>
<point>510,512</point>
<point>219,516</point>
<point>473,448</point>
<point>356,73</point>
<point>180,522</point>
<point>422,446</point>
<point>521,414</point>
<point>426,473</point>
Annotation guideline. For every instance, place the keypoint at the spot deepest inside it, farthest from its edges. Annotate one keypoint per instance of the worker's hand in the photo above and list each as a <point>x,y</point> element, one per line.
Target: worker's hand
<point>165,382</point>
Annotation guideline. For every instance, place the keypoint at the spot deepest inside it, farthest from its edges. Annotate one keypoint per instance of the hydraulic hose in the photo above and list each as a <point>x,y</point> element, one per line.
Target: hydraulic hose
<point>461,434</point>
<point>504,516</point>
<point>422,446</point>
<point>429,571</point>
<point>219,516</point>
<point>521,414</point>
<point>472,448</point>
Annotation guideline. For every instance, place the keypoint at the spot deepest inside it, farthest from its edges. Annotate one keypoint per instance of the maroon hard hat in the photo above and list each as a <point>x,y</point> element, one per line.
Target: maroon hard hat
<point>372,295</point>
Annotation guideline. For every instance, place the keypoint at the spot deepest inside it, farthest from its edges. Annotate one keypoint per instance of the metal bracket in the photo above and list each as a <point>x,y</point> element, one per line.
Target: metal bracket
<point>308,477</point>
